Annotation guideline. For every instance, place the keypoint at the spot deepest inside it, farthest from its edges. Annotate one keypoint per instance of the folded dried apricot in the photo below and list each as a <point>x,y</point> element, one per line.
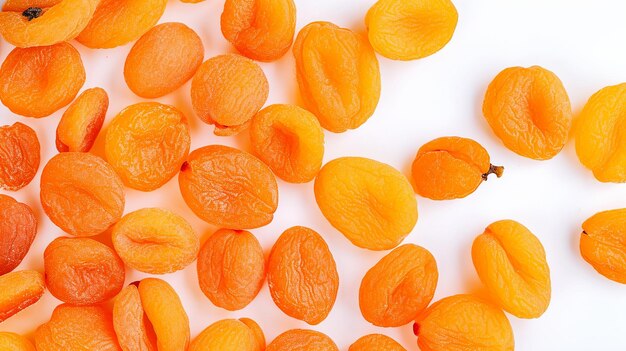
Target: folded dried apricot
<point>227,334</point>
<point>20,289</point>
<point>82,121</point>
<point>19,156</point>
<point>338,75</point>
<point>451,168</point>
<point>15,342</point>
<point>18,227</point>
<point>603,244</point>
<point>259,336</point>
<point>302,340</point>
<point>132,327</point>
<point>376,342</point>
<point>370,202</point>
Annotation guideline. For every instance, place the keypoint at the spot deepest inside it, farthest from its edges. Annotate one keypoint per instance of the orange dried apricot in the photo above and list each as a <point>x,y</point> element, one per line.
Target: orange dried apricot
<point>132,327</point>
<point>22,5</point>
<point>410,30</point>
<point>15,342</point>
<point>155,241</point>
<point>82,271</point>
<point>19,156</point>
<point>227,334</point>
<point>529,110</point>
<point>82,121</point>
<point>38,81</point>
<point>231,268</point>
<point>289,140</point>
<point>302,340</point>
<point>511,262</point>
<point>229,188</point>
<point>338,75</point>
<point>227,91</point>
<point>603,243</point>
<point>370,202</point>
<point>163,59</point>
<point>20,289</point>
<point>81,193</point>
<point>302,275</point>
<point>259,336</point>
<point>376,342</point>
<point>18,227</point>
<point>147,143</point>
<point>463,323</point>
<point>399,286</point>
<point>451,168</point>
<point>262,30</point>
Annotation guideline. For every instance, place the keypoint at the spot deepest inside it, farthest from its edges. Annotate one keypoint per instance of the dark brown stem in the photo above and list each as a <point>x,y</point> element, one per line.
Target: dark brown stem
<point>497,170</point>
<point>32,12</point>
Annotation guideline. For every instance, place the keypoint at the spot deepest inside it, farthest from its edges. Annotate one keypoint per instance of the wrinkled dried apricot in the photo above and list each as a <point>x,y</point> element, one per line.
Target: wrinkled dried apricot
<point>15,342</point>
<point>463,323</point>
<point>118,22</point>
<point>289,140</point>
<point>147,143</point>
<point>370,202</point>
<point>451,168</point>
<point>163,59</point>
<point>262,30</point>
<point>603,244</point>
<point>259,336</point>
<point>228,187</point>
<point>399,286</point>
<point>82,121</point>
<point>132,327</point>
<point>81,193</point>
<point>529,110</point>
<point>227,334</point>
<point>410,30</point>
<point>77,328</point>
<point>38,81</point>
<point>511,262</point>
<point>19,156</point>
<point>376,342</point>
<point>18,227</point>
<point>231,268</point>
<point>82,271</point>
<point>338,75</point>
<point>302,275</point>
<point>156,241</point>
<point>302,340</point>
<point>20,289</point>
<point>227,91</point>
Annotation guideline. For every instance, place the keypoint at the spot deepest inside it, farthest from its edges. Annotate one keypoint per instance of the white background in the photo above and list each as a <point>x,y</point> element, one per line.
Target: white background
<point>581,41</point>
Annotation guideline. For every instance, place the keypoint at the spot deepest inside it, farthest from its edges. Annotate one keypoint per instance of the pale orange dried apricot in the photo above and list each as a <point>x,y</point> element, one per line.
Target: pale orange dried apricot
<point>15,342</point>
<point>19,156</point>
<point>302,340</point>
<point>603,243</point>
<point>376,342</point>
<point>259,336</point>
<point>132,327</point>
<point>227,334</point>
<point>20,289</point>
<point>18,227</point>
<point>80,124</point>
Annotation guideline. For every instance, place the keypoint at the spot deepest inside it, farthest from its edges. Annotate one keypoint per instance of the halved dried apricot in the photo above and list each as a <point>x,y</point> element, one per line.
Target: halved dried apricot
<point>18,227</point>
<point>302,340</point>
<point>20,289</point>
<point>376,342</point>
<point>227,334</point>
<point>603,244</point>
<point>82,121</point>
<point>15,342</point>
<point>19,156</point>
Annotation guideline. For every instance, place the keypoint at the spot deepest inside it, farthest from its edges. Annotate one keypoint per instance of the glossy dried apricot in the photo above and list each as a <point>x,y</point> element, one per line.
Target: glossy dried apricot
<point>302,340</point>
<point>376,342</point>
<point>147,143</point>
<point>529,110</point>
<point>15,342</point>
<point>81,193</point>
<point>410,30</point>
<point>399,286</point>
<point>82,271</point>
<point>463,323</point>
<point>20,289</point>
<point>163,59</point>
<point>132,327</point>
<point>302,275</point>
<point>18,227</point>
<point>231,268</point>
<point>603,243</point>
<point>289,140</point>
<point>227,91</point>
<point>229,188</point>
<point>262,30</point>
<point>38,81</point>
<point>370,202</point>
<point>451,168</point>
<point>227,334</point>
<point>338,75</point>
<point>155,241</point>
<point>19,156</point>
<point>82,121</point>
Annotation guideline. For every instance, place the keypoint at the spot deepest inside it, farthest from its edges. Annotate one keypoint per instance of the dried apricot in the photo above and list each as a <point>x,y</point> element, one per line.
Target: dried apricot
<point>302,340</point>
<point>228,187</point>
<point>289,140</point>
<point>529,110</point>
<point>227,91</point>
<point>231,268</point>
<point>18,227</point>
<point>132,327</point>
<point>38,81</point>
<point>23,5</point>
<point>82,121</point>
<point>338,75</point>
<point>451,168</point>
<point>410,30</point>
<point>19,156</point>
<point>163,59</point>
<point>302,275</point>
<point>399,286</point>
<point>82,271</point>
<point>463,323</point>
<point>81,193</point>
<point>262,30</point>
<point>156,241</point>
<point>15,342</point>
<point>370,202</point>
<point>227,334</point>
<point>259,336</point>
<point>147,143</point>
<point>603,244</point>
<point>20,289</point>
<point>376,342</point>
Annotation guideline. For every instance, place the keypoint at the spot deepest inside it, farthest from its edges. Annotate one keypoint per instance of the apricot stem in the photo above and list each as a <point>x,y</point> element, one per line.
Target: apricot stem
<point>416,329</point>
<point>32,12</point>
<point>497,170</point>
<point>185,166</point>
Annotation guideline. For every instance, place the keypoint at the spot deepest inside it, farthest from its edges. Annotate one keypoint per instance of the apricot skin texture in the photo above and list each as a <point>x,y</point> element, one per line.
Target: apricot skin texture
<point>82,121</point>
<point>131,324</point>
<point>19,156</point>
<point>15,342</point>
<point>302,340</point>
<point>376,342</point>
<point>227,334</point>
<point>20,289</point>
<point>603,244</point>
<point>18,227</point>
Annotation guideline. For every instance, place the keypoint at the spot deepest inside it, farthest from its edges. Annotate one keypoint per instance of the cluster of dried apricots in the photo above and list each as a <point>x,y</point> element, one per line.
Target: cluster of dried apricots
<point>371,203</point>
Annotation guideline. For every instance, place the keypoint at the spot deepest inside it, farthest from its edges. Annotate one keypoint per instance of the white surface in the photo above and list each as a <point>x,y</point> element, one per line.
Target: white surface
<point>581,41</point>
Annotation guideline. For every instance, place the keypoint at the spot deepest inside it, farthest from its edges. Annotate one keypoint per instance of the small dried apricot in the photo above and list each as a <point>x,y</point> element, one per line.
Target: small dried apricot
<point>376,342</point>
<point>132,327</point>
<point>18,227</point>
<point>302,340</point>
<point>15,342</point>
<point>227,334</point>
<point>603,244</point>
<point>82,121</point>
<point>20,289</point>
<point>19,156</point>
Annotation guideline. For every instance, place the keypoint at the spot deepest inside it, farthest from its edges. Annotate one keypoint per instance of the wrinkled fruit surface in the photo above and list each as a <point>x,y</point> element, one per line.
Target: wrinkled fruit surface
<point>132,327</point>
<point>15,342</point>
<point>18,227</point>
<point>19,156</point>
<point>603,244</point>
<point>82,121</point>
<point>20,289</point>
<point>227,334</point>
<point>302,340</point>
<point>376,342</point>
